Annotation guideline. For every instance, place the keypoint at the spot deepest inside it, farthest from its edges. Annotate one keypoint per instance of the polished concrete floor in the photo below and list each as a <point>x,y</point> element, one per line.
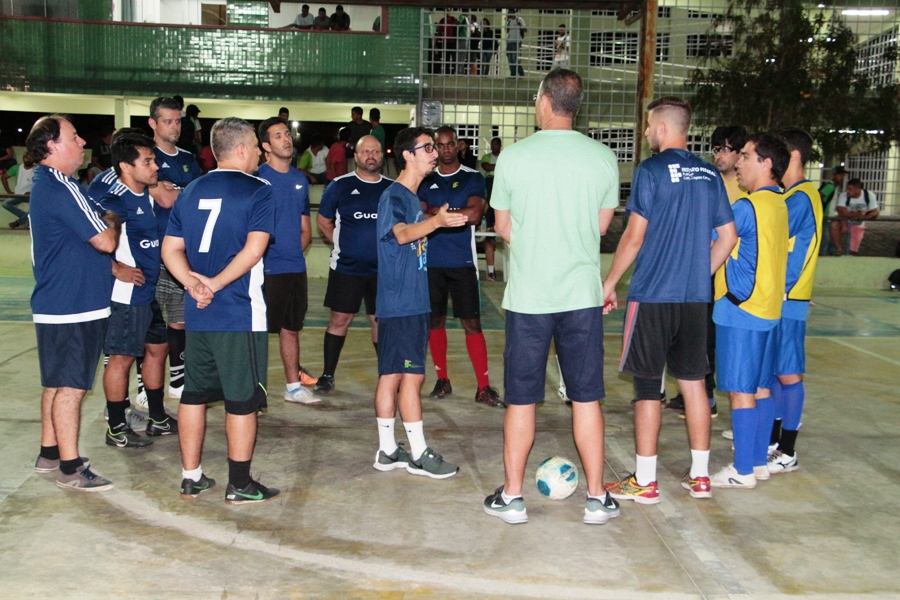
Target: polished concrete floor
<point>340,529</point>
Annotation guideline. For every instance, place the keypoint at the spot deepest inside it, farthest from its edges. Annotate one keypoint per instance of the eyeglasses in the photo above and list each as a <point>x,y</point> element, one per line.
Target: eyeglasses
<point>719,149</point>
<point>440,146</point>
<point>429,148</point>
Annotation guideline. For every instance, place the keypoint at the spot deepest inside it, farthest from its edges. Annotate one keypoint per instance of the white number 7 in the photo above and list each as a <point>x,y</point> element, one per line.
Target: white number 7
<point>215,207</point>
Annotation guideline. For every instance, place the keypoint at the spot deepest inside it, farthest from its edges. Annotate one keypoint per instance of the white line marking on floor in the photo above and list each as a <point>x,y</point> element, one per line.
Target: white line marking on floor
<point>841,342</point>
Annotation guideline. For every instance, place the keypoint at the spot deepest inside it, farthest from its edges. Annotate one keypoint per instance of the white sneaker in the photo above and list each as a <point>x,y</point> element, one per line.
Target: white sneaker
<point>728,434</point>
<point>175,392</point>
<point>779,462</point>
<point>141,399</point>
<point>730,478</point>
<point>761,473</point>
<point>301,396</point>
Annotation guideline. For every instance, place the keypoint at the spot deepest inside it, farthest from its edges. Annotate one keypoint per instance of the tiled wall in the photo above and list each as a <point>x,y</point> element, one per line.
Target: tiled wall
<point>88,58</point>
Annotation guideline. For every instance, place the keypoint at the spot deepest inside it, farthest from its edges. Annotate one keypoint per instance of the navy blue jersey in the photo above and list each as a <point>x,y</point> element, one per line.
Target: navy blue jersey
<point>683,199</point>
<point>290,192</point>
<point>214,215</point>
<point>72,279</point>
<point>402,269</point>
<point>353,205</point>
<point>180,168</point>
<point>102,182</point>
<point>138,243</point>
<point>452,247</point>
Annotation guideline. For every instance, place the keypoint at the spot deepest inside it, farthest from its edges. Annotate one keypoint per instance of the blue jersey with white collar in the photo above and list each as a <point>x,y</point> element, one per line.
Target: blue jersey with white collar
<point>452,247</point>
<point>102,182</point>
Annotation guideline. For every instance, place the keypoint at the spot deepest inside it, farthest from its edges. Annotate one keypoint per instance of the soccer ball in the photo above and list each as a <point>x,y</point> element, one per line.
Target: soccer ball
<point>556,478</point>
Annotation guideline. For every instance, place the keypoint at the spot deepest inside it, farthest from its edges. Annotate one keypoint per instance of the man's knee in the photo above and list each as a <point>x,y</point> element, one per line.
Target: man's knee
<point>438,321</point>
<point>471,326</point>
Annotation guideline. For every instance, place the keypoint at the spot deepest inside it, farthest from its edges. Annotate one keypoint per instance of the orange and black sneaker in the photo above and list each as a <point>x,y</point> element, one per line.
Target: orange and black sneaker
<point>628,489</point>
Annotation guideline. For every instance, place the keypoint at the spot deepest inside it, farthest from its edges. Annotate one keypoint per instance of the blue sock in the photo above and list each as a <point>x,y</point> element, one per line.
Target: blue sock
<point>794,395</point>
<point>778,398</point>
<point>743,422</point>
<point>765,410</point>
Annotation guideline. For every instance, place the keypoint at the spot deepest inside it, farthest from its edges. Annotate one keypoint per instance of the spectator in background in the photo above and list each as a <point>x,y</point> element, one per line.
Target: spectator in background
<point>358,126</point>
<point>561,49</point>
<point>180,101</point>
<point>24,175</point>
<point>463,35</point>
<point>283,112</point>
<point>321,22</point>
<point>312,163</point>
<point>340,21</point>
<point>336,161</point>
<point>830,191</point>
<point>207,159</point>
<point>186,137</point>
<point>488,164</point>
<point>515,33</point>
<point>101,155</point>
<point>7,153</point>
<point>304,20</point>
<point>377,130</point>
<point>193,115</point>
<point>465,155</point>
<point>445,44</point>
<point>858,205</point>
<point>488,45</point>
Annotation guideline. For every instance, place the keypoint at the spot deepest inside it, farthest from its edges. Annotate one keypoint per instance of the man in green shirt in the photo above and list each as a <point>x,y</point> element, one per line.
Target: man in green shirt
<point>553,226</point>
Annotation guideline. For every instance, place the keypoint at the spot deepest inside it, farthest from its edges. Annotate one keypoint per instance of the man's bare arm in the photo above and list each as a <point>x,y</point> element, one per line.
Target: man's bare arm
<point>502,224</point>
<point>723,246</point>
<point>326,227</point>
<point>107,240</point>
<point>629,245</point>
<point>164,193</point>
<point>305,233</point>
<point>175,259</point>
<point>405,233</point>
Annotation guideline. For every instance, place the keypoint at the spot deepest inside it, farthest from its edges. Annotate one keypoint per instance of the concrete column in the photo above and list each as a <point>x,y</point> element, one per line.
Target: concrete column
<point>122,112</point>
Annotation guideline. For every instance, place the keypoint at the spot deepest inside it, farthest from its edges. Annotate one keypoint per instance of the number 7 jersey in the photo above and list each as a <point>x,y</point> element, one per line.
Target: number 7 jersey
<point>213,216</point>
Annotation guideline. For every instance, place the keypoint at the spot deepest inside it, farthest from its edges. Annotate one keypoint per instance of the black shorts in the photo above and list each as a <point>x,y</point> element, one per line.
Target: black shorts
<point>672,334</point>
<point>345,292</point>
<point>226,365</point>
<point>287,299</point>
<point>130,327</point>
<point>68,353</point>
<point>461,285</point>
<point>402,342</point>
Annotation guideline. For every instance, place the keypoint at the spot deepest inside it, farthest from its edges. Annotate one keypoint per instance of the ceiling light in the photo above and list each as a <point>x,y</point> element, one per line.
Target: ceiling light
<point>866,12</point>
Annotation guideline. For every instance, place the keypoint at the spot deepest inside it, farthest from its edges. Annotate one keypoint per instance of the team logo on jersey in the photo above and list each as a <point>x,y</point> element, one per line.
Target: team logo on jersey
<point>354,193</point>
<point>140,211</point>
<point>675,173</point>
<point>434,186</point>
<point>165,165</point>
<point>185,167</point>
<point>455,185</point>
<point>298,187</point>
<point>149,244</point>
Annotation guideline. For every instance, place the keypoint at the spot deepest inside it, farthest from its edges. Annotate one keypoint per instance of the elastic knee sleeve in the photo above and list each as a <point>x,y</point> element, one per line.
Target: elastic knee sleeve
<point>646,388</point>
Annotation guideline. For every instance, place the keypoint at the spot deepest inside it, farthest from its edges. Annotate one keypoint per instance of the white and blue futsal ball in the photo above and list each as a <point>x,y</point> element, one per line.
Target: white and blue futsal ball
<point>556,478</point>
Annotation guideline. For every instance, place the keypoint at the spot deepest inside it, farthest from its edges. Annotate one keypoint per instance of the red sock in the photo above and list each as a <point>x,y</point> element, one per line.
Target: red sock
<point>437,341</point>
<point>477,348</point>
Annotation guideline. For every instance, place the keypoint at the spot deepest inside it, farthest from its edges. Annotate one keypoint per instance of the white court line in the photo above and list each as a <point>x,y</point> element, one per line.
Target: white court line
<point>864,351</point>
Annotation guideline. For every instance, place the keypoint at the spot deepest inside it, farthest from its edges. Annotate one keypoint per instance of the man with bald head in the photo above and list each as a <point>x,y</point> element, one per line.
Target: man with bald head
<point>347,218</point>
<point>70,247</point>
<point>218,231</point>
<point>677,200</point>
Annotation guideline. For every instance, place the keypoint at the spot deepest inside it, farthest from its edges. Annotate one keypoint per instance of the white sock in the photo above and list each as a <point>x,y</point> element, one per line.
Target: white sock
<point>602,498</point>
<point>416,437</point>
<point>292,387</point>
<point>699,463</point>
<point>194,474</point>
<point>386,441</point>
<point>491,269</point>
<point>645,472</point>
<point>508,499</point>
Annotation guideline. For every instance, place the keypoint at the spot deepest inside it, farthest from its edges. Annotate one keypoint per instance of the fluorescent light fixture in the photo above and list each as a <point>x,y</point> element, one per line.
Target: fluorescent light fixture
<point>879,12</point>
<point>295,124</point>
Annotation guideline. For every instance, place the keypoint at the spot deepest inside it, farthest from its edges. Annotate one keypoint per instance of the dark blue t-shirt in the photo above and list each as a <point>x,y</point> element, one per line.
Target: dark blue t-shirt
<point>180,168</point>
<point>138,243</point>
<point>290,192</point>
<point>214,215</point>
<point>72,279</point>
<point>102,182</point>
<point>353,205</point>
<point>683,199</point>
<point>402,269</point>
<point>452,247</point>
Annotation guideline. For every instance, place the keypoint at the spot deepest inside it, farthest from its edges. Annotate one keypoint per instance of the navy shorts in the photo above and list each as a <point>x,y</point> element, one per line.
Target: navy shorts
<point>69,352</point>
<point>790,342</point>
<point>402,342</point>
<point>578,336</point>
<point>745,359</point>
<point>459,284</point>
<point>130,327</point>
<point>345,292</point>
<point>287,299</point>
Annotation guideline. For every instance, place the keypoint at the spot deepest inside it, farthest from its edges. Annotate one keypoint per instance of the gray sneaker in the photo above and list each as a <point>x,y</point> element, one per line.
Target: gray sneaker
<point>598,512</point>
<point>431,464</point>
<point>46,465</point>
<point>84,480</point>
<point>135,419</point>
<point>389,462</point>
<point>512,513</point>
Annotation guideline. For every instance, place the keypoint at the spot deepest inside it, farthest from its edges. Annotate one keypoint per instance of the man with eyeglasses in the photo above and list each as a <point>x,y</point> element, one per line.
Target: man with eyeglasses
<point>453,272</point>
<point>403,309</point>
<point>347,218</point>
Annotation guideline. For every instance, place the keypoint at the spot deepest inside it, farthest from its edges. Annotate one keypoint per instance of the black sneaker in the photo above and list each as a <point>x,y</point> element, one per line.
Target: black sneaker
<point>254,492</point>
<point>676,404</point>
<point>191,489</point>
<point>167,426</point>
<point>488,395</point>
<point>125,437</point>
<point>441,389</point>
<point>713,410</point>
<point>325,384</point>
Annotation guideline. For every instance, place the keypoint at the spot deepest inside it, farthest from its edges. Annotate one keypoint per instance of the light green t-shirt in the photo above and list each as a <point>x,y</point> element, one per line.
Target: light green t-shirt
<point>554,184</point>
